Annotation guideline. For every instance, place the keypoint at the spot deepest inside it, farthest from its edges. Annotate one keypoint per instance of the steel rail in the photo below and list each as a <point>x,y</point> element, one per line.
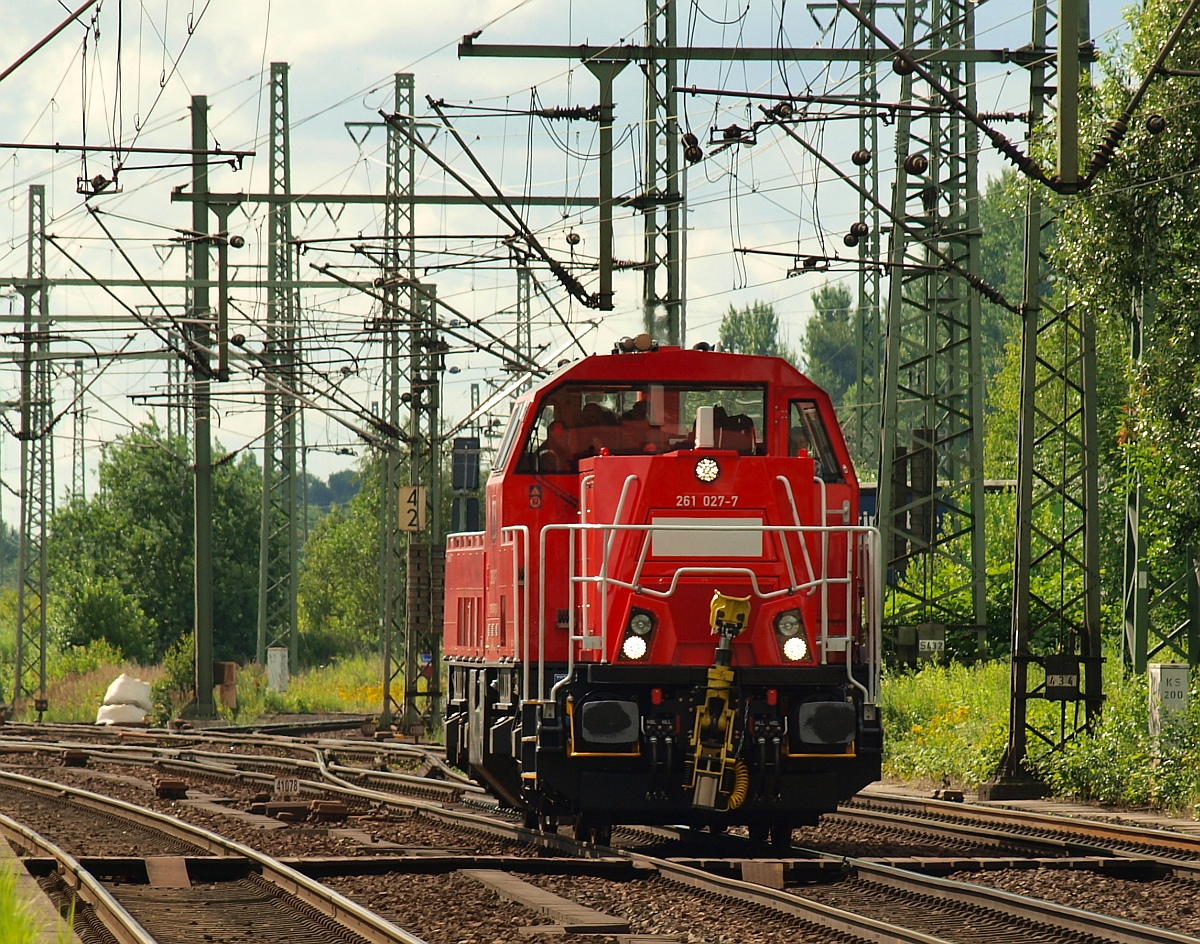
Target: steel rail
<point>1061,917</point>
<point>350,915</point>
<point>826,916</point>
<point>433,753</point>
<point>1162,839</point>
<point>979,834</point>
<point>1045,913</point>
<point>185,758</point>
<point>112,914</point>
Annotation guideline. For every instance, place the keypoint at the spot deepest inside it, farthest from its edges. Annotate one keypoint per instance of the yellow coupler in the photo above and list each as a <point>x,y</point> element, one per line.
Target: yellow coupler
<point>713,775</point>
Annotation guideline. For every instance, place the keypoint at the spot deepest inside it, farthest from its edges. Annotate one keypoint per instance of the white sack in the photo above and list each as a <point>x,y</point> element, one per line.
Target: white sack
<point>120,714</point>
<point>127,690</point>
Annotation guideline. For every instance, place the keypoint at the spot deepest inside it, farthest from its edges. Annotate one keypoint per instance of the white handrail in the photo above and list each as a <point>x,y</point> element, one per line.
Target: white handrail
<point>856,536</point>
<point>521,625</point>
<point>787,486</point>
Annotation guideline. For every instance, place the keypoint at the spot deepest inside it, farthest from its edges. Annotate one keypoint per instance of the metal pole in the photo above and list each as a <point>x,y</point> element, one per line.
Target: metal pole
<point>202,432</point>
<point>1068,91</point>
<point>399,275</point>
<point>282,504</point>
<point>605,72</point>
<point>663,196</point>
<point>36,464</point>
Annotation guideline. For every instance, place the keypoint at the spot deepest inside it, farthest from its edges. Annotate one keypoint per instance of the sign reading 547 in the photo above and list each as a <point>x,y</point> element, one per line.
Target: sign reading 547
<point>412,508</point>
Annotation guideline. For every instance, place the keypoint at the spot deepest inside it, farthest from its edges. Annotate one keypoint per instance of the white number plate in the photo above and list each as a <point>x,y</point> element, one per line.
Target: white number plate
<point>706,501</point>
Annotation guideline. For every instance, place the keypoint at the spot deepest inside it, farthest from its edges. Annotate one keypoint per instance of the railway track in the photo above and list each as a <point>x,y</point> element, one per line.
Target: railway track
<point>826,897</point>
<point>1175,852</point>
<point>228,892</point>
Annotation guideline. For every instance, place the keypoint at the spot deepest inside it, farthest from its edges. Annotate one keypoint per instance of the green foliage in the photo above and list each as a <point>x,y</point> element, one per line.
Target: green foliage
<point>135,537</point>
<point>1118,762</point>
<point>8,556</point>
<point>18,925</point>
<point>81,659</point>
<point>1002,264</point>
<point>339,577</point>
<point>753,330</point>
<point>338,489</point>
<point>174,689</point>
<point>96,609</point>
<point>946,721</point>
<point>830,351</point>
<point>351,684</point>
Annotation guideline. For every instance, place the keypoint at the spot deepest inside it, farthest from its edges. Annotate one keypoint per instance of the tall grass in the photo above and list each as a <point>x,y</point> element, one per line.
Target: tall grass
<point>951,722</point>
<point>351,684</point>
<point>79,677</point>
<point>1119,762</point>
<point>17,922</point>
<point>945,722</point>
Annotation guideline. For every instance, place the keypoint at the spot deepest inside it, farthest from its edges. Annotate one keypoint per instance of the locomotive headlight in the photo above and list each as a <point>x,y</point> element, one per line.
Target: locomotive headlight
<point>635,647</point>
<point>640,624</point>
<point>707,470</point>
<point>795,649</point>
<point>787,624</point>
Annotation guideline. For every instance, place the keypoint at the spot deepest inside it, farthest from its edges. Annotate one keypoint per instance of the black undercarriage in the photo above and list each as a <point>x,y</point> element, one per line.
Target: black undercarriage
<point>770,748</point>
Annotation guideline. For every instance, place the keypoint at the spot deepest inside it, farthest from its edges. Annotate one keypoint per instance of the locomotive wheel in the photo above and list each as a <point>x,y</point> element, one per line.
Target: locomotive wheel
<point>760,832</point>
<point>602,834</point>
<point>781,837</point>
<point>583,830</point>
<point>529,818</point>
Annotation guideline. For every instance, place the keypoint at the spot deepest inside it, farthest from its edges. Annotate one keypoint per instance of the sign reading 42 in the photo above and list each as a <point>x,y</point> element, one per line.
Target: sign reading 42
<point>412,508</point>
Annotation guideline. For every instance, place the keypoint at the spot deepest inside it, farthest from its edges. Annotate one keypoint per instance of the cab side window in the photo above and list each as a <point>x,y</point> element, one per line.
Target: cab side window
<point>806,430</point>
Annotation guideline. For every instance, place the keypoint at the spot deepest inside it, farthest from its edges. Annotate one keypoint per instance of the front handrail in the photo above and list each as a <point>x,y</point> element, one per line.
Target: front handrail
<point>860,539</point>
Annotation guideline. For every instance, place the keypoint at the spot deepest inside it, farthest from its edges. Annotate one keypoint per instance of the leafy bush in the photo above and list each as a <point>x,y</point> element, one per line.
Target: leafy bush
<point>945,722</point>
<point>79,660</point>
<point>92,608</point>
<point>171,692</point>
<point>1119,762</point>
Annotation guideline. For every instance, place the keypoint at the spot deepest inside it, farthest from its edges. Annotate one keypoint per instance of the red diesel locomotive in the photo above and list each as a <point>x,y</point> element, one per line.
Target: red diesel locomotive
<point>673,613</point>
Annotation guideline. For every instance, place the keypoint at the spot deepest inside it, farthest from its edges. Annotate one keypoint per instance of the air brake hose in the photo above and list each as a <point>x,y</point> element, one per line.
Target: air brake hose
<point>741,785</point>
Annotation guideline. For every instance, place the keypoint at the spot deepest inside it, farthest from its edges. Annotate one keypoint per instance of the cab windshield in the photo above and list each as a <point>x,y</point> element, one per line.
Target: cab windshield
<point>576,421</point>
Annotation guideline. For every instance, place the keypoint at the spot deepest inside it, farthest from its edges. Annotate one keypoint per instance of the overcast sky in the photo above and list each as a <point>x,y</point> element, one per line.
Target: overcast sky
<point>342,56</point>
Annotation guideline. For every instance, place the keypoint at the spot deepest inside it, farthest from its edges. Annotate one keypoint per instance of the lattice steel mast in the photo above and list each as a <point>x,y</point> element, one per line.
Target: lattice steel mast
<point>399,276</point>
<point>37,460</point>
<point>868,328</point>
<point>930,494</point>
<point>662,199</point>
<point>1056,587</point>
<point>279,545</point>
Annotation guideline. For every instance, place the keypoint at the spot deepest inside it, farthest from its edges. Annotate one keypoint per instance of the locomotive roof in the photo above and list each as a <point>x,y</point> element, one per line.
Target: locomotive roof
<point>674,364</point>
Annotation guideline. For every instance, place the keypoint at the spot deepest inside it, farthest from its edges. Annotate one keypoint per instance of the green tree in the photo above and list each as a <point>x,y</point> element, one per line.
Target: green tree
<point>94,608</point>
<point>339,578</point>
<point>1136,235</point>
<point>1002,265</point>
<point>134,536</point>
<point>753,330</point>
<point>830,353</point>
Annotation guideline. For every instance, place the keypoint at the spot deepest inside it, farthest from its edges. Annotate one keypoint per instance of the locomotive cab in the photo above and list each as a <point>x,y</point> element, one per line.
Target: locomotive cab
<point>672,615</point>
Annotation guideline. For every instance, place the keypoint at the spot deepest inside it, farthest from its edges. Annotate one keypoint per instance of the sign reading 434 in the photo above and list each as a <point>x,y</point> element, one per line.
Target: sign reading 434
<point>412,508</point>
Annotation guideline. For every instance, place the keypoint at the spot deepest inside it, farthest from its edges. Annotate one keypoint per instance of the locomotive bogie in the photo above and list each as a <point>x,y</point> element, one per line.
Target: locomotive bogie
<point>615,747</point>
